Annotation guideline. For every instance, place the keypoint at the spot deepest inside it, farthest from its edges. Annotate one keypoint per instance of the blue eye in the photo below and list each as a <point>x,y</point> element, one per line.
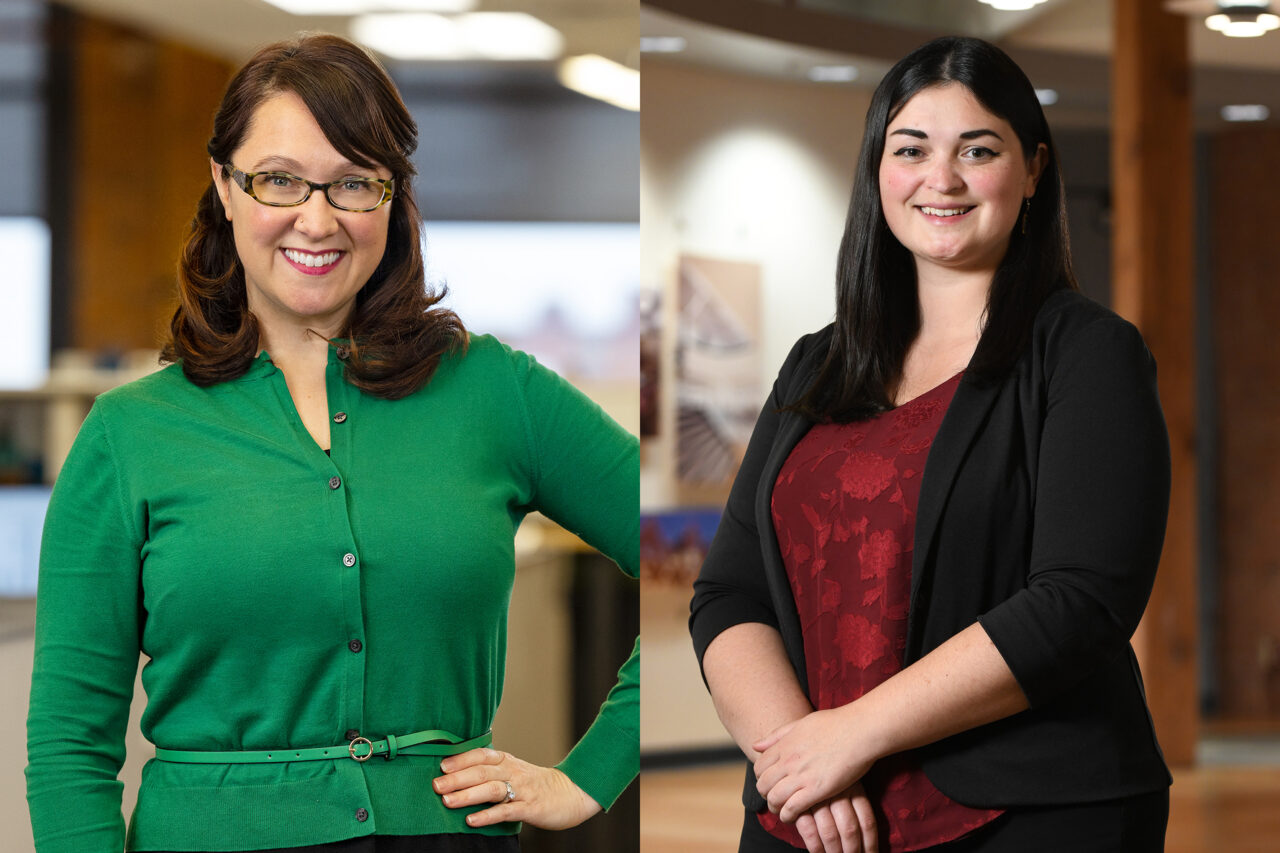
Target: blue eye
<point>279,180</point>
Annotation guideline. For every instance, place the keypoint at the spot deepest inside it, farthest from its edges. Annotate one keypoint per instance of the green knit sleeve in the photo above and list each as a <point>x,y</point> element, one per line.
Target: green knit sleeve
<point>86,653</point>
<point>587,478</point>
<point>607,758</point>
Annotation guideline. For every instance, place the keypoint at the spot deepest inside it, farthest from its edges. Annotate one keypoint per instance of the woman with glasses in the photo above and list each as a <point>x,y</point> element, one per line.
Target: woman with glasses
<point>305,523</point>
<point>915,615</point>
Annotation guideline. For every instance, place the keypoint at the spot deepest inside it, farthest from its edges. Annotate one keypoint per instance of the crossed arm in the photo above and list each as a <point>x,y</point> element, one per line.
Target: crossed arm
<point>805,760</point>
<point>768,699</point>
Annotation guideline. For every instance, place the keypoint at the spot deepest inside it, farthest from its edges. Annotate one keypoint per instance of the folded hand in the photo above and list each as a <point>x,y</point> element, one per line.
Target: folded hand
<point>809,761</point>
<point>843,824</point>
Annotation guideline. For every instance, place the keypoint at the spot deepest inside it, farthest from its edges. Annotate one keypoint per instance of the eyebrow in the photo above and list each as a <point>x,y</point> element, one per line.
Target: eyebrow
<point>275,161</point>
<point>968,134</point>
<point>278,162</point>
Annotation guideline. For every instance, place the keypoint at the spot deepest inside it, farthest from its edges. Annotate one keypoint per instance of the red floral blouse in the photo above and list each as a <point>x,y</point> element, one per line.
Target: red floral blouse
<point>844,507</point>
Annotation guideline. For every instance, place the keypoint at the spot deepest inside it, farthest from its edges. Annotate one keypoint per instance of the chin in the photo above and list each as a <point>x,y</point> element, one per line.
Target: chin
<point>317,304</point>
<point>946,257</point>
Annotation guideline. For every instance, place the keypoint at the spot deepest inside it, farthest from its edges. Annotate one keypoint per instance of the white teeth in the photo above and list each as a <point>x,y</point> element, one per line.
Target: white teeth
<point>949,211</point>
<point>309,260</point>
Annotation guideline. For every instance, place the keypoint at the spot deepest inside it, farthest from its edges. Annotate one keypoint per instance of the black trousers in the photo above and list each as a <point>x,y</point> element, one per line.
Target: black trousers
<point>459,842</point>
<point>1128,825</point>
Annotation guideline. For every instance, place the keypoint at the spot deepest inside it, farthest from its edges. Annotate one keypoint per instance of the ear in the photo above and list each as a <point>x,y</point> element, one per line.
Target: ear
<point>1035,168</point>
<point>223,185</point>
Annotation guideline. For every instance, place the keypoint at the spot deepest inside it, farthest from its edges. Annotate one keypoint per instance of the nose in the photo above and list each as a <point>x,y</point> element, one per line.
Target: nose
<point>316,218</point>
<point>944,177</point>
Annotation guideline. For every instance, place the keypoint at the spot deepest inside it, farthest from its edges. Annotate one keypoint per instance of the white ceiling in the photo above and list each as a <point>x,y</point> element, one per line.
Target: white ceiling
<point>1071,39</point>
<point>1077,31</point>
<point>233,29</point>
<point>1084,26</point>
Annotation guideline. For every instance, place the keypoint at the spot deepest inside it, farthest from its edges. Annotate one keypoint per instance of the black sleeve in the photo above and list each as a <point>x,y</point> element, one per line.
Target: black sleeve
<point>1101,504</point>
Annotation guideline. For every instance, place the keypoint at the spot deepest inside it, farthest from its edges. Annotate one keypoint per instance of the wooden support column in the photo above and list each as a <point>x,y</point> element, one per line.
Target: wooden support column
<point>1152,285</point>
<point>1246,308</point>
<point>143,111</point>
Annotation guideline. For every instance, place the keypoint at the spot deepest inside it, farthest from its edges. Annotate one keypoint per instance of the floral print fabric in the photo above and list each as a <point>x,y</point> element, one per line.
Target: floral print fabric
<point>844,508</point>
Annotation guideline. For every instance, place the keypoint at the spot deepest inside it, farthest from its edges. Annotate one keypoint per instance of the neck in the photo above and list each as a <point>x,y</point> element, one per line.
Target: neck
<point>952,304</point>
<point>295,348</point>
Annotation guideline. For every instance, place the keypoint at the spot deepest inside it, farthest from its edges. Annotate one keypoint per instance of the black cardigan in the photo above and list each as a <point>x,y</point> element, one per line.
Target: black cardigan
<point>1042,514</point>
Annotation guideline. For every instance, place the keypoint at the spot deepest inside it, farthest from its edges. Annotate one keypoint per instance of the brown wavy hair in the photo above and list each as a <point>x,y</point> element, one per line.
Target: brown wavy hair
<point>396,335</point>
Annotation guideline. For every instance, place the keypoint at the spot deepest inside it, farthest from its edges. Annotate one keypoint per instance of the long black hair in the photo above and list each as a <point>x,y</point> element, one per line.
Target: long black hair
<point>877,311</point>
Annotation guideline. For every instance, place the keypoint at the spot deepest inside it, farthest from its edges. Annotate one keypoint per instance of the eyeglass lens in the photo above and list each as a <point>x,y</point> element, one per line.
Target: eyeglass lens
<point>352,194</point>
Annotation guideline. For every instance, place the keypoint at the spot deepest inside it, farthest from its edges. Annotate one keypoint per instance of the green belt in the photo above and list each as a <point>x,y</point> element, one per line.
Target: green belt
<point>430,742</point>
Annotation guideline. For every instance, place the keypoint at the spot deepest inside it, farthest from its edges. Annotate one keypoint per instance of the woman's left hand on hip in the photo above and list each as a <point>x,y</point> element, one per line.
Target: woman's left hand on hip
<point>542,796</point>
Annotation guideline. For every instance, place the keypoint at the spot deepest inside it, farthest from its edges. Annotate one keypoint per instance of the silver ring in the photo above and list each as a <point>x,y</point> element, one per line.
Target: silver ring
<point>511,793</point>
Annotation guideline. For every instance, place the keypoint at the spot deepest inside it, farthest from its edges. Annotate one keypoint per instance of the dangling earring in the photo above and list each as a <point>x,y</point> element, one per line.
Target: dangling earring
<point>1026,211</point>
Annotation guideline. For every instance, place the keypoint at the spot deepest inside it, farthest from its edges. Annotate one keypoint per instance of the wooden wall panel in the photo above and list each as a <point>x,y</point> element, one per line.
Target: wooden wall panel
<point>1246,306</point>
<point>1152,188</point>
<point>142,110</point>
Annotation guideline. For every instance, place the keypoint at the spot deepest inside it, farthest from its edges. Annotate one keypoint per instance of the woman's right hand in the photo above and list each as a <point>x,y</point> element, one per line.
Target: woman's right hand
<point>843,824</point>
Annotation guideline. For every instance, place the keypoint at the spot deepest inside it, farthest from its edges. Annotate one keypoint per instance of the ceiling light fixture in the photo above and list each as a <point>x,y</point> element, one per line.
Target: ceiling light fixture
<point>833,73</point>
<point>1012,5</point>
<point>1241,20</point>
<point>1245,112</point>
<point>510,36</point>
<point>503,36</point>
<point>359,7</point>
<point>662,44</point>
<point>410,36</point>
<point>1234,18</point>
<point>602,79</point>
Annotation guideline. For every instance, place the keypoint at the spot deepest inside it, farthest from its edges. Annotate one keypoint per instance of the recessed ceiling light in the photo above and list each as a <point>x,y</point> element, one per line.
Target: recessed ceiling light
<point>410,36</point>
<point>833,73</point>
<point>1242,25</point>
<point>1047,97</point>
<point>662,44</point>
<point>1245,112</point>
<point>478,35</point>
<point>357,7</point>
<point>510,36</point>
<point>1012,5</point>
<point>603,79</point>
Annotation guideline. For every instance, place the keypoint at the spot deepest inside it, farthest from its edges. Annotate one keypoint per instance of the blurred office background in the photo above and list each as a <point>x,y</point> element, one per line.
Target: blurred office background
<point>528,164</point>
<point>1168,134</point>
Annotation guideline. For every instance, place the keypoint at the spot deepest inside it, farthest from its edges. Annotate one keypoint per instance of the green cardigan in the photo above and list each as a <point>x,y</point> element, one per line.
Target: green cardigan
<point>205,527</point>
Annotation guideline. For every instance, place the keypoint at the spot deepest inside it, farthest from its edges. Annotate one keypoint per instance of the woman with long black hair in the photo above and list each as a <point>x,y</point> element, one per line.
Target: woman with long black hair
<point>915,615</point>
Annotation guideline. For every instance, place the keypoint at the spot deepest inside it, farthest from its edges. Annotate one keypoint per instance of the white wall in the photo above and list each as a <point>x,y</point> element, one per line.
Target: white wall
<point>747,169</point>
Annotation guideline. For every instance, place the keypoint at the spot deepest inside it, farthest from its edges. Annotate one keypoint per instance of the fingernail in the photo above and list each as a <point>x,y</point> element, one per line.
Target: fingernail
<point>471,820</point>
<point>448,800</point>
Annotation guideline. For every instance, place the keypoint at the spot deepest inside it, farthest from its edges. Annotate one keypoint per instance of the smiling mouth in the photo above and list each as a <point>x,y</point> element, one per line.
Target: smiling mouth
<point>945,211</point>
<point>314,260</point>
